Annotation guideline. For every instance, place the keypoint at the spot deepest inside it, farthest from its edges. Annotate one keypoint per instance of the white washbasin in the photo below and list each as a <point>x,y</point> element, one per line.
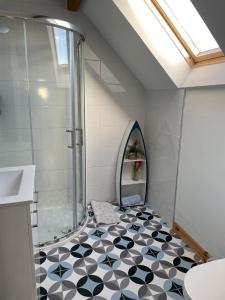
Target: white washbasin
<point>10,182</point>
<point>16,184</point>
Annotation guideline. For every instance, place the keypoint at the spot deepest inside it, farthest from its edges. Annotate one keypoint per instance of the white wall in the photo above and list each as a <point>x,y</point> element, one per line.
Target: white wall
<point>113,97</point>
<point>162,127</point>
<point>15,140</point>
<point>200,204</point>
<point>200,198</point>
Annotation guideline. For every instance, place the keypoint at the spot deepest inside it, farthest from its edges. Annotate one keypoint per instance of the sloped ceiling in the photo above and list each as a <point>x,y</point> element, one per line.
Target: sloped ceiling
<point>126,43</point>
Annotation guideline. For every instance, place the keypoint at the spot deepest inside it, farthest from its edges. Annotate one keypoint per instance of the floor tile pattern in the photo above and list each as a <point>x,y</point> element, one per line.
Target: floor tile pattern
<point>140,258</point>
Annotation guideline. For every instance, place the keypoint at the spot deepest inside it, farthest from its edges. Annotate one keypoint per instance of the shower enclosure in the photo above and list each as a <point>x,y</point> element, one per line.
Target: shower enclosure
<point>42,118</point>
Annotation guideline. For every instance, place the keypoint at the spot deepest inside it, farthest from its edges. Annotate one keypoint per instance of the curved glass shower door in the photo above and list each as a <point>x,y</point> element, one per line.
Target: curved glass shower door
<point>42,118</point>
<point>54,91</point>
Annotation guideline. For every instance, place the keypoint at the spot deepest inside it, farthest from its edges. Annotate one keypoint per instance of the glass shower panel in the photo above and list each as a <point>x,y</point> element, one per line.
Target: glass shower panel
<point>15,137</point>
<point>52,116</point>
<point>80,137</point>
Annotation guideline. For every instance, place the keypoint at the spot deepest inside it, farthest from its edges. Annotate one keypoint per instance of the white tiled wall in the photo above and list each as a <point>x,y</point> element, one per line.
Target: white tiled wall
<point>163,120</point>
<point>113,98</point>
<point>15,139</point>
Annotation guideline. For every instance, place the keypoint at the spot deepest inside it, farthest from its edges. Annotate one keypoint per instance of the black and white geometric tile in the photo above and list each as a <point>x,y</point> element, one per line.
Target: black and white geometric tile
<point>140,258</point>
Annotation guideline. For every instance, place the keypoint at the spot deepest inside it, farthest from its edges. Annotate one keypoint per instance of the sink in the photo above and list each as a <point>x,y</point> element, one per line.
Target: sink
<point>10,182</point>
<point>16,184</point>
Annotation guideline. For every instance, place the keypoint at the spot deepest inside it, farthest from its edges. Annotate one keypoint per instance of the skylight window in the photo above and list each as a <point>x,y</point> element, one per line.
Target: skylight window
<point>61,45</point>
<point>189,29</point>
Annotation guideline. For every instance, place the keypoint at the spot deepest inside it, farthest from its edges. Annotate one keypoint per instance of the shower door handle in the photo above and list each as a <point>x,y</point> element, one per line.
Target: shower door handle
<point>80,143</point>
<point>72,138</point>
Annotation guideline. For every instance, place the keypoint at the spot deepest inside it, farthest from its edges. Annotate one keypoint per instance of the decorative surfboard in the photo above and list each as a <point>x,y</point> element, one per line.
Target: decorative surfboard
<point>132,168</point>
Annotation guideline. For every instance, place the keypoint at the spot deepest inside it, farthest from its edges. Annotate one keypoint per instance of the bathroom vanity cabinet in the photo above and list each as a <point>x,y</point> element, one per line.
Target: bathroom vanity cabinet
<point>17,279</point>
<point>17,275</point>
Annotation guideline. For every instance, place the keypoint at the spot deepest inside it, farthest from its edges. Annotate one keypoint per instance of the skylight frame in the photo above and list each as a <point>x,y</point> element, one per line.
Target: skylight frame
<point>203,58</point>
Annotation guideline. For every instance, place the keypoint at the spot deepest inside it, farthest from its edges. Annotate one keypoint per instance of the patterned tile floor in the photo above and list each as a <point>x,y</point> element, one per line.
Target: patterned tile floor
<point>140,258</point>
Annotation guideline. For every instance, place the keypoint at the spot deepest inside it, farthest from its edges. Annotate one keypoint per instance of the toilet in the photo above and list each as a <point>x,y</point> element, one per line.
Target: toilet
<point>206,281</point>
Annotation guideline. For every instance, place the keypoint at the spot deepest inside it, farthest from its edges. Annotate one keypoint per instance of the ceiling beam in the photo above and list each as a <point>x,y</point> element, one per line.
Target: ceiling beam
<point>73,5</point>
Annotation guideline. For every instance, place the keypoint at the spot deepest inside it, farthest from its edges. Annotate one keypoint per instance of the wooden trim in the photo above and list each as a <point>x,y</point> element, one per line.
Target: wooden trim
<point>191,242</point>
<point>210,61</point>
<point>192,59</point>
<point>205,56</point>
<point>73,5</point>
<point>209,55</point>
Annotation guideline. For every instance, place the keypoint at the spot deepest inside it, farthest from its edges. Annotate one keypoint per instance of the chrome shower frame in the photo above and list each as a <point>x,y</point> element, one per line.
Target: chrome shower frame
<point>78,92</point>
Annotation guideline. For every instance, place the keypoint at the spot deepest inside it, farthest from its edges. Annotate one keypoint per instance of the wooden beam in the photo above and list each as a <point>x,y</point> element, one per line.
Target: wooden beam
<point>191,242</point>
<point>73,5</point>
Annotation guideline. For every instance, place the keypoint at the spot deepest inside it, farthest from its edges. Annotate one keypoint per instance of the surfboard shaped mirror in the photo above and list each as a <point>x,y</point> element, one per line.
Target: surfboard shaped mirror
<point>132,168</point>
